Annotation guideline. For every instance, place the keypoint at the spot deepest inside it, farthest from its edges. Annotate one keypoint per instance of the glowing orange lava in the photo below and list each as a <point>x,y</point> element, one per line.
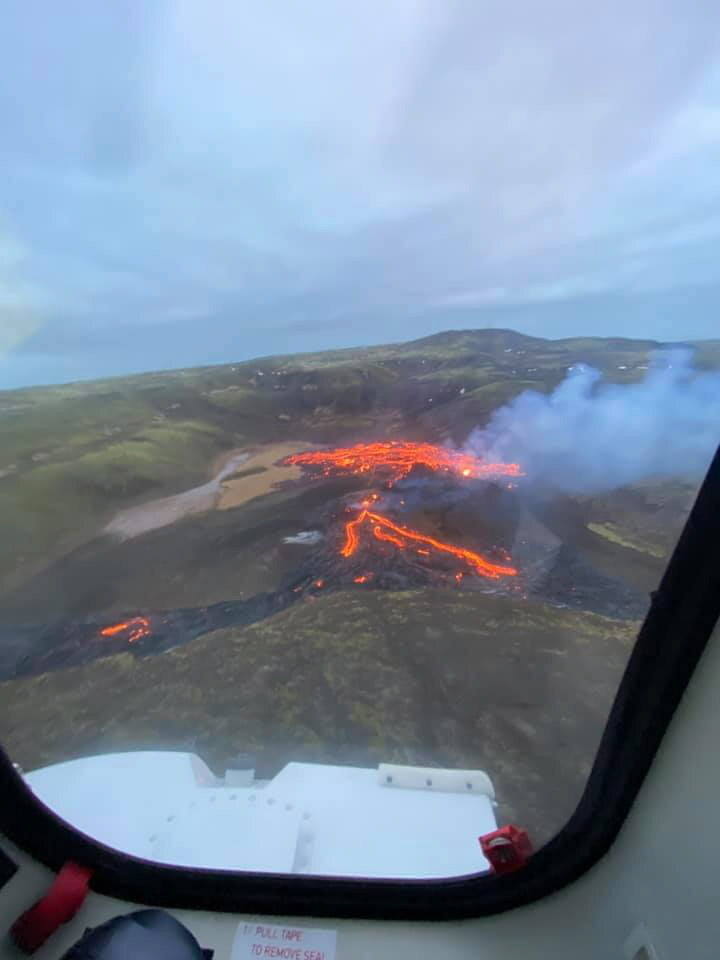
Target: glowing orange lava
<point>396,459</point>
<point>136,628</point>
<point>402,537</point>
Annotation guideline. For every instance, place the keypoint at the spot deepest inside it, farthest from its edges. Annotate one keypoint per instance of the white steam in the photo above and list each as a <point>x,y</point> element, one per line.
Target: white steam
<point>589,436</point>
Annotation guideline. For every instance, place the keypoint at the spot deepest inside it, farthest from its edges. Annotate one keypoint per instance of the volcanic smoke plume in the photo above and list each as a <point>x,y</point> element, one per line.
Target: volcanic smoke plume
<point>588,436</point>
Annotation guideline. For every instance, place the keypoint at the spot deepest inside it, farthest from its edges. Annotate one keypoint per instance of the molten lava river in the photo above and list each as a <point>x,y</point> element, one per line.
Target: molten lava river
<point>383,528</point>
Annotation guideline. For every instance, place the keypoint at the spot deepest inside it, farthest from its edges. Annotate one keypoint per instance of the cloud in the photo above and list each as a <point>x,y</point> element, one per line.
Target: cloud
<point>256,162</point>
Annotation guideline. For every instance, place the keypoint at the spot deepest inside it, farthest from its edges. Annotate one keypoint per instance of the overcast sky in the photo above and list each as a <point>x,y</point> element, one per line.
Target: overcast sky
<point>195,182</point>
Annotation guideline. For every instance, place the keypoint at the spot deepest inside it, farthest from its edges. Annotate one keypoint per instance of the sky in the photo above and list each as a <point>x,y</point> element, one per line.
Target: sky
<point>186,183</point>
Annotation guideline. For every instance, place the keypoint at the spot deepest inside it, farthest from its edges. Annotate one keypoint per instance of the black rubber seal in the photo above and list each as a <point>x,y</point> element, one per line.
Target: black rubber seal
<point>8,868</point>
<point>682,615</point>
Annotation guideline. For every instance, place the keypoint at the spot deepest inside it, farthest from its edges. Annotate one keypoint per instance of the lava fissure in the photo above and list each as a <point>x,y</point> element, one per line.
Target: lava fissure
<point>395,459</point>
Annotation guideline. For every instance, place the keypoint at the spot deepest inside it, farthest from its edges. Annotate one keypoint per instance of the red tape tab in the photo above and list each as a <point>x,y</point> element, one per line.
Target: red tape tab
<point>60,904</point>
<point>506,849</point>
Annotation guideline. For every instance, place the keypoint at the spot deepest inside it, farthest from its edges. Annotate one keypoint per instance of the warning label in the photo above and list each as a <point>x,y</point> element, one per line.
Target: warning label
<point>263,941</point>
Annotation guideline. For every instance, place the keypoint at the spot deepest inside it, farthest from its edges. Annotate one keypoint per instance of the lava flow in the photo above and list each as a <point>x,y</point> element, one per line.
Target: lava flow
<point>396,459</point>
<point>135,629</point>
<point>403,538</point>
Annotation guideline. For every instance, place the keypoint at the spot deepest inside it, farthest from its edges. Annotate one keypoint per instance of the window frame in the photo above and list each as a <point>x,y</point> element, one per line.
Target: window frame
<point>682,616</point>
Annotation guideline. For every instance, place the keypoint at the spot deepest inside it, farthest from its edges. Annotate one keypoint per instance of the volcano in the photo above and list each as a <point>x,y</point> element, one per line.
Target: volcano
<point>423,478</point>
<point>431,528</point>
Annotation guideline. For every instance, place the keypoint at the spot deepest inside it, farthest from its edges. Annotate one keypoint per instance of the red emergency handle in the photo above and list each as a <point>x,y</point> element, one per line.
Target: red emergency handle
<point>507,849</point>
<point>60,904</point>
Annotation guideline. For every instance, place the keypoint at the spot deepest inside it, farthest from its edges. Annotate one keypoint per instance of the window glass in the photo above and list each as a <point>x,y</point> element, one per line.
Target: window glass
<point>358,371</point>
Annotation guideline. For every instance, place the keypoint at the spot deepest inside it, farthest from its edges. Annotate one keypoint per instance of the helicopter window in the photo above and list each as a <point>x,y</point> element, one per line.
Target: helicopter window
<point>356,388</point>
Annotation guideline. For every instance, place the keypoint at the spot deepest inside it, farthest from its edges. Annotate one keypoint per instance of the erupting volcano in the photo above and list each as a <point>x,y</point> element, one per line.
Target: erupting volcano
<point>393,460</point>
<point>389,462</point>
<point>386,530</point>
